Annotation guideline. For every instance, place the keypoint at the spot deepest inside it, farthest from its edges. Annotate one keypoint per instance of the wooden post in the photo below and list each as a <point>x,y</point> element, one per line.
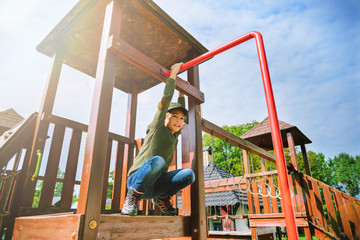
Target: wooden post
<point>42,126</point>
<point>291,145</point>
<point>70,172</point>
<point>129,149</point>
<point>306,160</point>
<point>198,214</point>
<point>18,191</point>
<point>52,167</point>
<point>185,156</point>
<point>106,174</point>
<point>118,172</point>
<point>98,131</point>
<point>265,189</point>
<point>247,171</point>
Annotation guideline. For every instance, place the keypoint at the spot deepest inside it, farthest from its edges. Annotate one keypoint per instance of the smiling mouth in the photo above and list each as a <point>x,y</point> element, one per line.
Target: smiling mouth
<point>176,125</point>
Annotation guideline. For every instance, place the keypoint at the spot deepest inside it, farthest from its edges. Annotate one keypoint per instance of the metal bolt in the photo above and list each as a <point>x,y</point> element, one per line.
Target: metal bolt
<point>92,224</point>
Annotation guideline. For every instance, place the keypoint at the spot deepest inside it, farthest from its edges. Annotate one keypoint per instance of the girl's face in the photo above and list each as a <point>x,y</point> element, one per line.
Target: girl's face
<point>174,120</point>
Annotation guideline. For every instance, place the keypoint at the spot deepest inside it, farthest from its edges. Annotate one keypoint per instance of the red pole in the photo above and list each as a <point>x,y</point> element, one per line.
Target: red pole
<point>274,122</point>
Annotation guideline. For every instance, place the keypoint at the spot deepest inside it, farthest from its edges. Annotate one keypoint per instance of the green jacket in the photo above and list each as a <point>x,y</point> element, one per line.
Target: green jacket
<point>159,141</point>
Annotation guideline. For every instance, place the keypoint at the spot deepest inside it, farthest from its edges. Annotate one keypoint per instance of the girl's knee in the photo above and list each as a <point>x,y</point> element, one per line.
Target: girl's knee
<point>158,163</point>
<point>190,175</point>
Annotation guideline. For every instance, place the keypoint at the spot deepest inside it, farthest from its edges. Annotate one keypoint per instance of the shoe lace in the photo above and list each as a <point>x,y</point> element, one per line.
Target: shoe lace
<point>165,203</point>
<point>134,198</point>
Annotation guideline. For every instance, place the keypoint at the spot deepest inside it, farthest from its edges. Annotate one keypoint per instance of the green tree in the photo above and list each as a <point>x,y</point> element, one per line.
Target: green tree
<point>230,157</point>
<point>320,168</point>
<point>346,173</point>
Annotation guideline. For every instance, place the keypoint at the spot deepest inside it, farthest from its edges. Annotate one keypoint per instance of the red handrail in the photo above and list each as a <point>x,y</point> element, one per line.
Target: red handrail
<point>274,122</point>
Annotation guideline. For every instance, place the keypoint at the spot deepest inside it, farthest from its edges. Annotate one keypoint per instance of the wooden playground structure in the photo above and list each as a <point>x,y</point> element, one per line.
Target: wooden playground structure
<point>124,45</point>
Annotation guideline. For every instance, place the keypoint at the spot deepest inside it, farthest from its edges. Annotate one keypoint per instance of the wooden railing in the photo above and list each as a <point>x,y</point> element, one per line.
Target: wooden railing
<point>328,211</point>
<point>331,212</point>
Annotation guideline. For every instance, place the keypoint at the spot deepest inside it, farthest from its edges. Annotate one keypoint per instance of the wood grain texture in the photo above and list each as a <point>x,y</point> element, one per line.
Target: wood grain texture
<point>57,226</point>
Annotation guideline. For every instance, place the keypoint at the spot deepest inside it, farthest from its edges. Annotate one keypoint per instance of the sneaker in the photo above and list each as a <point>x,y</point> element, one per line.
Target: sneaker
<point>166,205</point>
<point>131,202</point>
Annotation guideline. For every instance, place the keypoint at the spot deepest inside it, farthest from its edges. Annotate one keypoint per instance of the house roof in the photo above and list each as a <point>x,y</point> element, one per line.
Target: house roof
<point>260,135</point>
<point>214,172</point>
<point>8,119</point>
<point>144,26</point>
<point>231,197</point>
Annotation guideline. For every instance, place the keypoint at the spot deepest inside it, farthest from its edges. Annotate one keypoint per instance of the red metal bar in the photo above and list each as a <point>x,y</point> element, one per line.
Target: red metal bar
<point>274,122</point>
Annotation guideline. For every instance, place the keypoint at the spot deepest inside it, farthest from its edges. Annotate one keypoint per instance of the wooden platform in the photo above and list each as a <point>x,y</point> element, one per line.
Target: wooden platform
<point>111,226</point>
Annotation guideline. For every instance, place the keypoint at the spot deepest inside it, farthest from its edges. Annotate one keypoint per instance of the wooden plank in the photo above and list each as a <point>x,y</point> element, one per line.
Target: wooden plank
<point>319,206</point>
<point>106,175</point>
<point>198,213</point>
<point>70,172</point>
<point>292,192</point>
<point>276,220</point>
<point>343,213</point>
<point>260,174</point>
<point>80,126</point>
<point>118,171</point>
<point>274,203</point>
<point>265,189</point>
<point>331,211</point>
<point>222,134</point>
<point>132,55</point>
<point>113,226</point>
<point>17,139</point>
<point>299,194</point>
<point>267,222</point>
<point>313,203</point>
<point>63,226</point>
<point>254,187</point>
<point>52,167</point>
<point>95,152</point>
<point>129,149</point>
<point>353,210</point>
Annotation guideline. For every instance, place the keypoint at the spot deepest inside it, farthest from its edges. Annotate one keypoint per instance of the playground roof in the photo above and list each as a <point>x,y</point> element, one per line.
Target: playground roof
<point>144,26</point>
<point>8,119</point>
<point>260,135</point>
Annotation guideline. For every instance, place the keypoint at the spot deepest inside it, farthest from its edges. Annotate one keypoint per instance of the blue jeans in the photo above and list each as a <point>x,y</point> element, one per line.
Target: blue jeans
<point>151,179</point>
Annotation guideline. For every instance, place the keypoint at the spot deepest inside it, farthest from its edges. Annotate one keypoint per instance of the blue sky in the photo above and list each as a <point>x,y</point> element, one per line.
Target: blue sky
<point>312,49</point>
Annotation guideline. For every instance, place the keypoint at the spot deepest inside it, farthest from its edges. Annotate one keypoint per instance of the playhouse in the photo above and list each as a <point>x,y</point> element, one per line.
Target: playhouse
<point>121,44</point>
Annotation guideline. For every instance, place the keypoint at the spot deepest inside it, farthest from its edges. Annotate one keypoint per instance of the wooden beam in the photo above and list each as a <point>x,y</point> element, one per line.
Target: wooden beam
<point>291,144</point>
<point>124,50</point>
<point>275,220</point>
<point>114,226</point>
<point>254,175</point>
<point>95,152</point>
<point>222,134</point>
<point>198,214</point>
<point>306,160</point>
<point>42,125</point>
<point>80,126</point>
